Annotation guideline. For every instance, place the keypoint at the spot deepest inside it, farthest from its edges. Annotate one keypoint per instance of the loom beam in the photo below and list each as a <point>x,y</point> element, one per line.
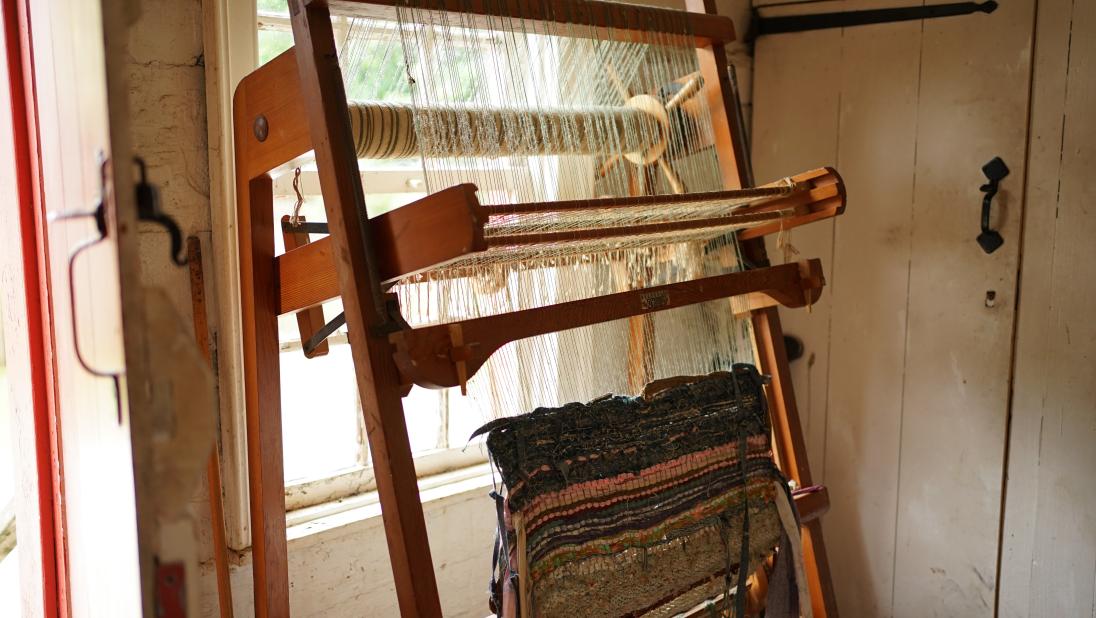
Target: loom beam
<point>449,225</point>
<point>432,357</point>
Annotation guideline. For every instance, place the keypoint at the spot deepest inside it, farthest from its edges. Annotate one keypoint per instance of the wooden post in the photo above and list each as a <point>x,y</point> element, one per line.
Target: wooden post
<point>792,452</point>
<point>262,395</point>
<point>768,335</point>
<point>213,468</point>
<point>364,304</point>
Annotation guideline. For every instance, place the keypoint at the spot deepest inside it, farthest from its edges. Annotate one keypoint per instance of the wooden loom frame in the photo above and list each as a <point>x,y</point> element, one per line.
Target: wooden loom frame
<point>296,103</point>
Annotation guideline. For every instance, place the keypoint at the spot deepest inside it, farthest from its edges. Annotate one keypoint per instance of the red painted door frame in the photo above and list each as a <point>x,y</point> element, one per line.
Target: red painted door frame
<point>30,219</point>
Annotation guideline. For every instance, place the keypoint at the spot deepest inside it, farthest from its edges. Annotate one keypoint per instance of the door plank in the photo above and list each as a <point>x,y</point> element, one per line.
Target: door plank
<point>1048,561</point>
<point>853,383</point>
<point>868,335</point>
<point>904,90</point>
<point>797,132</point>
<point>972,106</point>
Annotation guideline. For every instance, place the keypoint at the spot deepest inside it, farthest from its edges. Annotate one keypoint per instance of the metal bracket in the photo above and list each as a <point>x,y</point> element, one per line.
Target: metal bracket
<point>309,227</point>
<point>321,335</point>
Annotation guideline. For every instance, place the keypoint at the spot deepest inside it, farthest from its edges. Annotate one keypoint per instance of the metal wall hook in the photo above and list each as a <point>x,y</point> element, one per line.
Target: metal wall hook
<point>148,209</point>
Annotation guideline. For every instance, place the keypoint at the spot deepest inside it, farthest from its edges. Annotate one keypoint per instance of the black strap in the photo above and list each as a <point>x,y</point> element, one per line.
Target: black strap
<point>744,551</point>
<point>494,590</point>
<point>500,557</point>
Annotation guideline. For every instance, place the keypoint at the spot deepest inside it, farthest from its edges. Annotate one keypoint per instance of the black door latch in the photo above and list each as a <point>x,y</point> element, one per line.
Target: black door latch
<point>990,240</point>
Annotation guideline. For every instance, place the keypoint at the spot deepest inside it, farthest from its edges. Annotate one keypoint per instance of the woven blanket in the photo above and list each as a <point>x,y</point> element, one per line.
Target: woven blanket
<point>636,507</point>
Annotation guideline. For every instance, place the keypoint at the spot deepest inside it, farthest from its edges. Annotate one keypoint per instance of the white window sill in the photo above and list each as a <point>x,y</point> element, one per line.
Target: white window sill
<point>305,522</point>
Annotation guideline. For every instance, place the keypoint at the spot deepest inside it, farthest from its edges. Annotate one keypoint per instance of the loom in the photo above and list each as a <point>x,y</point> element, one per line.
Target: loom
<point>584,174</point>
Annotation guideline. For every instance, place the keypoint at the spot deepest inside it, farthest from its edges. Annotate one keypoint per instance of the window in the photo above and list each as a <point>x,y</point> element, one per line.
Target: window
<point>326,453</point>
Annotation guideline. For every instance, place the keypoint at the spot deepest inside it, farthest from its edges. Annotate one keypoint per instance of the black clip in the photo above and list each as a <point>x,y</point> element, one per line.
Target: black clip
<point>148,209</point>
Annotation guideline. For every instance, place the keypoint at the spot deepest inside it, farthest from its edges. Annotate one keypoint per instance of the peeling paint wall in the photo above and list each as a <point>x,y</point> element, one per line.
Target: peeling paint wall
<point>167,105</point>
<point>168,125</point>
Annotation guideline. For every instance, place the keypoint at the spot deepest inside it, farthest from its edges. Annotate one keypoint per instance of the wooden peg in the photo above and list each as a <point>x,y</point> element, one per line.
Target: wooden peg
<point>459,354</point>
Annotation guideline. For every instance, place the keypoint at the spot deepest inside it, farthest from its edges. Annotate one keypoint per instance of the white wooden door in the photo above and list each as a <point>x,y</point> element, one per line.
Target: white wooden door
<point>904,386</point>
<point>78,83</point>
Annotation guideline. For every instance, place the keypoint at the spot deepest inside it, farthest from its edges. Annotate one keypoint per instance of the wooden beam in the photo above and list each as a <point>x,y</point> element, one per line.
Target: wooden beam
<point>428,357</point>
<point>262,394</point>
<point>268,112</point>
<point>609,20</point>
<point>792,451</point>
<point>363,302</point>
<point>812,505</point>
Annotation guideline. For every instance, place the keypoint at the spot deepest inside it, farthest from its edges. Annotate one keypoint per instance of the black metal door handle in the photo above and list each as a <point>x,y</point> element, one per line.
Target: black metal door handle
<point>990,240</point>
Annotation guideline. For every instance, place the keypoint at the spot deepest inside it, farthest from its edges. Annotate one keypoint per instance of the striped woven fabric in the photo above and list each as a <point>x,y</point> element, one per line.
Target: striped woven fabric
<point>637,507</point>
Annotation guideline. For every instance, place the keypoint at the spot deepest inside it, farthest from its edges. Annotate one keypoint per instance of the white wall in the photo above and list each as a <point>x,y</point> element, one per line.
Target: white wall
<point>342,569</point>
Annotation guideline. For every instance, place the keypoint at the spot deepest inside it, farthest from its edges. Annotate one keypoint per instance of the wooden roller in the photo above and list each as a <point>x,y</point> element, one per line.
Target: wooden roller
<point>385,130</point>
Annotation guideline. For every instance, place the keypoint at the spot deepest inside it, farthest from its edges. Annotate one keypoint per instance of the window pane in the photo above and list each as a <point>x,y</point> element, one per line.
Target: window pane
<point>464,418</point>
<point>272,43</point>
<point>319,413</point>
<point>272,6</point>
<point>422,410</point>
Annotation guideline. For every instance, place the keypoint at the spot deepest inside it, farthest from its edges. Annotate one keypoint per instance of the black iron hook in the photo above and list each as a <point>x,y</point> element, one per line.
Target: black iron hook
<point>148,209</point>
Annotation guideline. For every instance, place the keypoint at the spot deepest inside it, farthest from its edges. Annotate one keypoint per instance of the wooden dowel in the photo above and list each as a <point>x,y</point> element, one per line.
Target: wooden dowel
<point>624,231</point>
<point>636,201</point>
<point>213,468</point>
